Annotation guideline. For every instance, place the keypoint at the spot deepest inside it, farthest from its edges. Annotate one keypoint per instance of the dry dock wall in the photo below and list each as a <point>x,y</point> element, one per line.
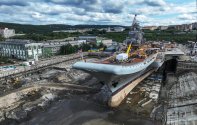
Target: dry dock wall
<point>116,99</point>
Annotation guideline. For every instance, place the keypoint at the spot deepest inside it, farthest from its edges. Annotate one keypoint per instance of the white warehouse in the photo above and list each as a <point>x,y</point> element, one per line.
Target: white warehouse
<point>6,33</point>
<point>21,49</point>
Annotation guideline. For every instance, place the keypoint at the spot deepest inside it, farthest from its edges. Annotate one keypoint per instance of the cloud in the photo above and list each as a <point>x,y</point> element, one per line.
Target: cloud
<point>13,3</point>
<point>112,10</point>
<point>186,17</point>
<point>89,5</point>
<point>113,7</point>
<point>116,12</point>
<point>38,16</point>
<point>50,9</point>
<point>154,2</point>
<point>75,2</point>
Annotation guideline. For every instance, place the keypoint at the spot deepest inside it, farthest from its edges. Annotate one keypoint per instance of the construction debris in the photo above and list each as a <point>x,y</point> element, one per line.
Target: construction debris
<point>39,89</point>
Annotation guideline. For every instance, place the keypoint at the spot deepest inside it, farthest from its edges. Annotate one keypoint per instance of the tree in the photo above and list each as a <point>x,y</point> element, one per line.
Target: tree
<point>85,47</point>
<point>68,49</point>
<point>1,38</point>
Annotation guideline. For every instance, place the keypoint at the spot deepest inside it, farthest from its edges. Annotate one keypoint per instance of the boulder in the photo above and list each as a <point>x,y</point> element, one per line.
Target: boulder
<point>2,118</point>
<point>16,114</point>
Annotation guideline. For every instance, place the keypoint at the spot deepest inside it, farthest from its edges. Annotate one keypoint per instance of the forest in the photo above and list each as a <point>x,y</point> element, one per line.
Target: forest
<point>45,32</point>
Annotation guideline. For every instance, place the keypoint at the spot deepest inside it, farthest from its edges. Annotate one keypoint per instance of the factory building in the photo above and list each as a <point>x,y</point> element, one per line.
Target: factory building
<point>74,30</point>
<point>21,49</point>
<point>163,27</point>
<point>30,50</point>
<point>6,33</point>
<point>50,48</point>
<point>119,29</point>
<point>94,39</point>
<point>194,26</point>
<point>194,49</point>
<point>77,42</point>
<point>27,49</point>
<point>150,28</point>
<point>183,27</point>
<point>107,42</point>
<point>88,38</point>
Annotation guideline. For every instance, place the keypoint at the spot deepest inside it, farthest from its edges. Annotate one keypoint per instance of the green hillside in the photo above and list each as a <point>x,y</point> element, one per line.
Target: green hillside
<point>28,28</point>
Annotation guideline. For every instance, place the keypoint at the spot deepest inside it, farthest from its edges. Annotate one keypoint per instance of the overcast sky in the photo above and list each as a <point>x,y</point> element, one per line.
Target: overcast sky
<point>115,12</point>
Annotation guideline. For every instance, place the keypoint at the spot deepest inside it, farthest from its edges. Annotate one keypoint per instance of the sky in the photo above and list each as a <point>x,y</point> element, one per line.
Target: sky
<point>99,12</point>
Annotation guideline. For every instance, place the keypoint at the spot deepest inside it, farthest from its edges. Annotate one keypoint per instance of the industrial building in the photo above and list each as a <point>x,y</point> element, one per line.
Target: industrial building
<point>150,28</point>
<point>74,30</point>
<point>6,33</point>
<point>194,26</point>
<point>62,40</point>
<point>76,42</point>
<point>88,38</point>
<point>107,42</point>
<point>119,29</point>
<point>183,27</point>
<point>113,29</point>
<point>28,49</point>
<point>53,48</point>
<point>93,39</point>
<point>194,49</point>
<point>21,49</point>
<point>163,27</point>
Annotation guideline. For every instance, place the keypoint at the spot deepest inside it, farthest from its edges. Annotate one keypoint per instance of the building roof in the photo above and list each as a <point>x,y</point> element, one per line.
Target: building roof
<point>19,41</point>
<point>87,37</point>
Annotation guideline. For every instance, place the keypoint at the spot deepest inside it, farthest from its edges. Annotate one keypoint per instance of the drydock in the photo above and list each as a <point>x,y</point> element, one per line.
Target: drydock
<point>141,96</point>
<point>147,82</point>
<point>126,68</point>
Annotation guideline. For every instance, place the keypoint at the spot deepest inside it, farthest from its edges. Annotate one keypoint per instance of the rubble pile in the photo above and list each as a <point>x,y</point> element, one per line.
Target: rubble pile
<point>17,105</point>
<point>143,98</point>
<point>39,93</point>
<point>11,104</point>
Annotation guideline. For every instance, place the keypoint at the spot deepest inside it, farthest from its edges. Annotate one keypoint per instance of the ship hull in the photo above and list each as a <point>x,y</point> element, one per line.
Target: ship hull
<point>117,69</point>
<point>115,77</point>
<point>116,82</point>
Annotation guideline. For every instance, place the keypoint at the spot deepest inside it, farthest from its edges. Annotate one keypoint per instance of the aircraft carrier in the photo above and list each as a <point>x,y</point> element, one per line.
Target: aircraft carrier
<point>124,66</point>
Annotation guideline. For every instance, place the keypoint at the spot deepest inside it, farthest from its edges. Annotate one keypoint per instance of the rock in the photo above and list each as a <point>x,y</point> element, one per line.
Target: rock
<point>60,78</point>
<point>128,99</point>
<point>103,96</point>
<point>128,102</point>
<point>16,114</point>
<point>42,104</point>
<point>2,118</point>
<point>48,97</point>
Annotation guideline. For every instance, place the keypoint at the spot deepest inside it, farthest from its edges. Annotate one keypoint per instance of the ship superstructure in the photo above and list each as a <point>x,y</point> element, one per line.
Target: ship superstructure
<point>135,34</point>
<point>120,69</point>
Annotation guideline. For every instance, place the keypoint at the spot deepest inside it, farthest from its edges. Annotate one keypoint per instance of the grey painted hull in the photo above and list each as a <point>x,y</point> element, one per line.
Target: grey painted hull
<point>116,76</point>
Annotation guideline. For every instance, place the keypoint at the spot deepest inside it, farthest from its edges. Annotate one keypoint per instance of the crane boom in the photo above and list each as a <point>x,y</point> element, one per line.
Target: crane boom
<point>128,49</point>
